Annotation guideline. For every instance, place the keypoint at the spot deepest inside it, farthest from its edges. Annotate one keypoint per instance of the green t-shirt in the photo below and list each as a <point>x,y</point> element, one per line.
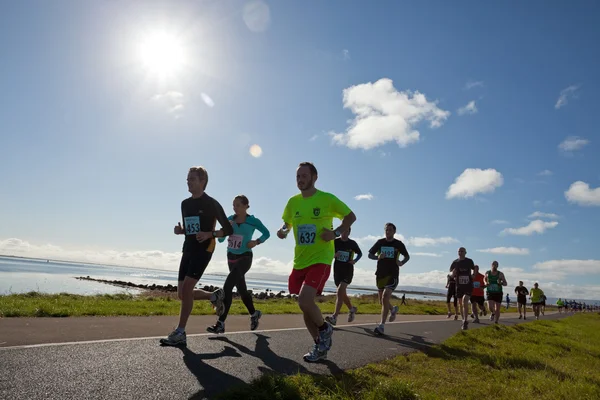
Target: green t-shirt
<point>537,295</point>
<point>308,217</point>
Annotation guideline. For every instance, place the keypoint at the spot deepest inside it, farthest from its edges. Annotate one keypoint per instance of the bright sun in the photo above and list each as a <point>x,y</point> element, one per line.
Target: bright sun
<point>162,54</point>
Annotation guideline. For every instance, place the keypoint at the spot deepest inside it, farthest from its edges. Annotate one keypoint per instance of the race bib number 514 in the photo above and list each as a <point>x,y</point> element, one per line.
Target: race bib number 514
<point>234,242</point>
<point>307,234</point>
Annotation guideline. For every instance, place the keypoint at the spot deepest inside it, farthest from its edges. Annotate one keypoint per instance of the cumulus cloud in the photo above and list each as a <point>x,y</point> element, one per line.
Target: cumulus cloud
<point>545,172</point>
<point>367,196</point>
<point>426,254</point>
<point>430,242</point>
<point>470,108</point>
<point>565,95</point>
<point>580,193</point>
<point>383,114</point>
<point>474,181</point>
<point>539,214</point>
<point>515,251</point>
<point>538,226</point>
<point>571,267</point>
<point>573,143</point>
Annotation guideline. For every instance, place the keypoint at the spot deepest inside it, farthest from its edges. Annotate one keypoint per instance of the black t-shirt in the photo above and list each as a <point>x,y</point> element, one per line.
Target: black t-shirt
<point>387,266</point>
<point>347,250</point>
<point>201,215</point>
<point>464,270</point>
<point>451,282</point>
<point>521,291</point>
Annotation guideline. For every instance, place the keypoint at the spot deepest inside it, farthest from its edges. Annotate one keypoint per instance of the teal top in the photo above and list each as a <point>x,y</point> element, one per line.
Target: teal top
<point>237,242</point>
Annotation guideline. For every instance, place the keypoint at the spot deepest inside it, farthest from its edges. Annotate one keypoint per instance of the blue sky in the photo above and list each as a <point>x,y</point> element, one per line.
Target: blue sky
<point>96,144</point>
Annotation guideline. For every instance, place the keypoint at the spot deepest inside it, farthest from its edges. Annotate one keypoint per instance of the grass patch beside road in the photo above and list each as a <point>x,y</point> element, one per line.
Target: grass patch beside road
<point>557,359</point>
<point>35,304</point>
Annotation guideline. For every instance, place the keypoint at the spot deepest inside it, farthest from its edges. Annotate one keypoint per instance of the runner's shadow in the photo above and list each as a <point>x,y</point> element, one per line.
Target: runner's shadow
<point>416,342</point>
<point>212,380</point>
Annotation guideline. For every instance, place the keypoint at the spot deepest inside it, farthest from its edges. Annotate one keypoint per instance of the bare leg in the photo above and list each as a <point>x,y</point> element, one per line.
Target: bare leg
<point>313,318</point>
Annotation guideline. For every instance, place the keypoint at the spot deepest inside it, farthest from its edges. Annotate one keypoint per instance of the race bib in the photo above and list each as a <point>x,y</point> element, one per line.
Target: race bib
<point>343,256</point>
<point>463,280</point>
<point>307,234</point>
<point>387,251</point>
<point>192,225</point>
<point>234,242</point>
<point>493,287</point>
<point>476,284</point>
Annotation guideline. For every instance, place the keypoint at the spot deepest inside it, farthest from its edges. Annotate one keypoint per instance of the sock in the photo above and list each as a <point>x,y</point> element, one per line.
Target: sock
<point>180,330</point>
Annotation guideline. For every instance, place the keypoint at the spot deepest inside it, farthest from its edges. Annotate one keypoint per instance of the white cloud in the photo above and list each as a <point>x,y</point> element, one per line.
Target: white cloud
<point>470,108</point>
<point>313,138</point>
<point>515,251</point>
<point>173,102</point>
<point>499,222</point>
<point>580,193</point>
<point>382,114</point>
<point>426,254</point>
<point>427,241</point>
<point>539,214</point>
<point>346,54</point>
<point>566,94</point>
<point>367,196</point>
<point>473,181</point>
<point>573,143</point>
<point>545,172</point>
<point>257,16</point>
<point>538,226</point>
<point>570,267</point>
<point>473,84</point>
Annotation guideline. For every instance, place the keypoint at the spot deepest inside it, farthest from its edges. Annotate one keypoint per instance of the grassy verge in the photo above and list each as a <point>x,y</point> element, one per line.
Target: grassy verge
<point>541,360</point>
<point>35,304</point>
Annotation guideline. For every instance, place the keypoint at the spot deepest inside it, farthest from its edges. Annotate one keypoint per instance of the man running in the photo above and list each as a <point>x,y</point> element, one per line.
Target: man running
<point>239,260</point>
<point>200,214</point>
<point>387,251</point>
<point>343,271</point>
<point>451,286</point>
<point>536,295</point>
<point>522,292</point>
<point>403,302</point>
<point>461,269</point>
<point>477,298</point>
<point>543,305</point>
<point>560,305</point>
<point>310,213</point>
<point>494,280</point>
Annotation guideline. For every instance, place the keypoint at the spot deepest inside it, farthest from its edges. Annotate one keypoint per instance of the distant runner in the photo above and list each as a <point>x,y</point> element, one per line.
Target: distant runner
<point>477,298</point>
<point>239,259</point>
<point>507,301</point>
<point>494,280</point>
<point>560,305</point>
<point>343,272</point>
<point>310,213</point>
<point>387,251</point>
<point>522,292</point>
<point>461,269</point>
<point>403,302</point>
<point>200,214</point>
<point>536,295</point>
<point>543,305</point>
<point>451,292</point>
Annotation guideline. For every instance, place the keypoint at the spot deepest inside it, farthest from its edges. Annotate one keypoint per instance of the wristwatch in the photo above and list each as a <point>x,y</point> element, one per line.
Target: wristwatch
<point>214,234</point>
<point>337,233</point>
<point>258,241</point>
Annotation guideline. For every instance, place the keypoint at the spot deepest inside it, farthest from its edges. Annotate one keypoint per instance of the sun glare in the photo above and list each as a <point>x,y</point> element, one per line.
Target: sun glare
<point>162,54</point>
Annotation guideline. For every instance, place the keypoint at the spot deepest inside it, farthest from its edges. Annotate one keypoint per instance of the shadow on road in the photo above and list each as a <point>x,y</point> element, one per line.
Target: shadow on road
<point>415,342</point>
<point>211,379</point>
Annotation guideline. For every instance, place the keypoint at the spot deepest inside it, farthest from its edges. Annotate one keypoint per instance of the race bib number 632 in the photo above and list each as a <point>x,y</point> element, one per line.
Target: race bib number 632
<point>307,234</point>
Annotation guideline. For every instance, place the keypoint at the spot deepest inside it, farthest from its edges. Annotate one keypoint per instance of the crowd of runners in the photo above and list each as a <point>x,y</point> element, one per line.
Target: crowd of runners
<point>309,215</point>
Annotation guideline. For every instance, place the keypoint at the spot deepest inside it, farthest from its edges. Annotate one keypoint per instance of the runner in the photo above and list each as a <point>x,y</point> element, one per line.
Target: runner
<point>507,301</point>
<point>536,295</point>
<point>522,292</point>
<point>200,212</point>
<point>311,214</point>
<point>387,251</point>
<point>543,305</point>
<point>461,269</point>
<point>239,259</point>
<point>560,305</point>
<point>403,303</point>
<point>451,286</point>
<point>477,298</point>
<point>343,271</point>
<point>494,280</point>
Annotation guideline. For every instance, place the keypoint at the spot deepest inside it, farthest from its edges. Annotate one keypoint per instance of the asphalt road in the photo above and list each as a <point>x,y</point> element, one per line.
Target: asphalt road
<point>142,369</point>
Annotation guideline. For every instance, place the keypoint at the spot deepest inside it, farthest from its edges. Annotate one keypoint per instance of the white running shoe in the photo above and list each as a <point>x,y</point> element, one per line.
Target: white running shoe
<point>393,313</point>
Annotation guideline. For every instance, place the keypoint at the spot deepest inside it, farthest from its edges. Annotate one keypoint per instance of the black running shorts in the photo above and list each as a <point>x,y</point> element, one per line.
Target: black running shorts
<point>193,264</point>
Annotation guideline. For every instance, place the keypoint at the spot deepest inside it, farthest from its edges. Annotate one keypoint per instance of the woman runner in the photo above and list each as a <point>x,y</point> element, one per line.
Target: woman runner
<point>239,258</point>
<point>494,280</point>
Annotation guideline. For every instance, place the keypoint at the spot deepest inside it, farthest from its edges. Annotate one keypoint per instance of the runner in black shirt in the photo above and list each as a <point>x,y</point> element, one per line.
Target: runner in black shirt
<point>387,251</point>
<point>451,286</point>
<point>200,214</point>
<point>343,271</point>
<point>461,269</point>
<point>522,293</point>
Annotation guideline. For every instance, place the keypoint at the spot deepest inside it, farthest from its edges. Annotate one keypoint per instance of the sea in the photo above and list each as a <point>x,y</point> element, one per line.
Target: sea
<point>22,275</point>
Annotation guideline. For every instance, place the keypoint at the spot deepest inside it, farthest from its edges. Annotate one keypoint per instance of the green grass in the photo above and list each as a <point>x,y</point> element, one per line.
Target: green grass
<point>35,304</point>
<point>540,360</point>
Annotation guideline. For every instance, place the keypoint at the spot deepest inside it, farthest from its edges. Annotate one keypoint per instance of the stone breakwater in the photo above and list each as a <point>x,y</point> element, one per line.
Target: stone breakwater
<point>267,294</point>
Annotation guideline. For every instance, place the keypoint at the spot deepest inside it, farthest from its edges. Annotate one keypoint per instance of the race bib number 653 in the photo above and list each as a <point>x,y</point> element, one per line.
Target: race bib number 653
<point>192,225</point>
<point>307,234</point>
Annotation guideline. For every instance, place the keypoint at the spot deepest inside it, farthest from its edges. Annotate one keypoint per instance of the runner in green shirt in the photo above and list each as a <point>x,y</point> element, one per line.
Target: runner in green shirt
<point>537,297</point>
